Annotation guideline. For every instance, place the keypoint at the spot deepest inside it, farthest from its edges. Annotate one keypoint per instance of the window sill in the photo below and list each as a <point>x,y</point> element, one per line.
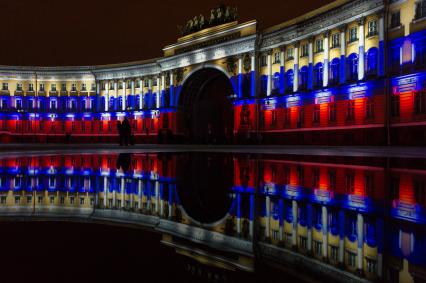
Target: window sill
<point>369,36</point>
<point>290,59</point>
<point>395,27</point>
<point>319,51</point>
<point>333,47</point>
<point>352,42</point>
<point>420,19</point>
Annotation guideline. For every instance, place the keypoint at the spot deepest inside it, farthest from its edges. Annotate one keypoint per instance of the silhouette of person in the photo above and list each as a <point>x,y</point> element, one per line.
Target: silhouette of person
<point>127,131</point>
<point>124,161</point>
<point>120,132</point>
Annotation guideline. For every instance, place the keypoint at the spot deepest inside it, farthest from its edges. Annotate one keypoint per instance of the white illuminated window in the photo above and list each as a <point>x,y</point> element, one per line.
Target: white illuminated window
<point>372,28</point>
<point>353,34</point>
<point>74,87</point>
<point>41,87</point>
<point>5,86</point>
<point>19,87</point>
<point>335,40</point>
<point>83,87</point>
<point>53,87</point>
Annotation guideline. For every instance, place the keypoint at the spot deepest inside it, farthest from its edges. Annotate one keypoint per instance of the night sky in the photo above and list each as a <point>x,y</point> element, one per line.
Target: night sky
<point>89,32</point>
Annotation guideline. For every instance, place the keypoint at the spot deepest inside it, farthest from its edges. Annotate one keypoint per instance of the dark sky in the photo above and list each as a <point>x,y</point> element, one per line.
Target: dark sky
<point>87,32</point>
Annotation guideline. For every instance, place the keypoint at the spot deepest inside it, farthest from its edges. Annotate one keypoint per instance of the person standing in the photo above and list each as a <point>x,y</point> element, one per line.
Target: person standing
<point>120,132</point>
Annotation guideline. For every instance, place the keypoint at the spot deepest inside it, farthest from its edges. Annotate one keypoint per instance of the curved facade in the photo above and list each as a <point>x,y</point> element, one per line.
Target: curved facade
<point>351,72</point>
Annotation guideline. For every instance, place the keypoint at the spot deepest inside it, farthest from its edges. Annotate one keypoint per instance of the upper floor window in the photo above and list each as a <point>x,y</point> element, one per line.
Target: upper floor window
<point>111,86</point>
<point>350,111</point>
<point>138,83</point>
<point>305,50</point>
<point>19,87</point>
<point>30,87</point>
<point>41,87</point>
<point>103,86</point>
<point>129,84</point>
<point>74,87</point>
<point>83,87</point>
<point>353,34</point>
<point>147,81</point>
<point>5,86</point>
<point>277,58</point>
<point>53,87</point>
<point>63,87</point>
<point>420,9</point>
<point>263,63</point>
<point>93,87</point>
<point>335,40</point>
<point>290,53</point>
<point>120,86</point>
<point>420,102</point>
<point>319,45</point>
<point>396,19</point>
<point>155,82</point>
<point>372,28</point>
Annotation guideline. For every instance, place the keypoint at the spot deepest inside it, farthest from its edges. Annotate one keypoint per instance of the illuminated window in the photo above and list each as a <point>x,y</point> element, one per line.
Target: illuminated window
<point>72,200</point>
<point>277,59</point>
<point>5,87</point>
<point>334,71</point>
<point>420,102</point>
<point>53,87</point>
<point>289,80</point>
<point>81,201</point>
<point>63,87</point>
<point>316,116</point>
<point>372,28</point>
<point>372,61</point>
<point>395,106</point>
<point>335,40</point>
<point>319,45</point>
<point>138,83</point>
<point>352,64</point>
<point>83,87</point>
<point>62,200</point>
<point>303,242</point>
<point>305,50</point>
<point>318,75</point>
<point>353,34</point>
<point>351,259</point>
<point>369,108</point>
<point>40,200</point>
<point>52,200</point>
<point>371,265</point>
<point>396,19</point>
<point>18,103</point>
<point>420,9</point>
<point>19,87</point>
<point>30,87</point>
<point>103,86</point>
<point>146,82</point>
<point>290,52</point>
<point>303,74</point>
<point>350,111</point>
<point>74,87</point>
<point>42,87</point>
<point>349,183</point>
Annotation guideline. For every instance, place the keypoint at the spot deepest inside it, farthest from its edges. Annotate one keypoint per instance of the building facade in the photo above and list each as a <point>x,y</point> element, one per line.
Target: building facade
<point>351,72</point>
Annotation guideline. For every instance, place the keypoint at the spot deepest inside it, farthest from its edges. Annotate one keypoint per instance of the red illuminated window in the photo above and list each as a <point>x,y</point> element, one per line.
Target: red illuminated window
<point>273,118</point>
<point>350,111</point>
<point>300,175</point>
<point>300,117</point>
<point>368,184</point>
<point>287,118</point>
<point>369,108</point>
<point>315,177</point>
<point>395,106</point>
<point>316,117</point>
<point>420,103</point>
<point>419,191</point>
<point>349,183</point>
<point>332,180</point>
<point>286,175</point>
<point>332,112</point>
<point>394,188</point>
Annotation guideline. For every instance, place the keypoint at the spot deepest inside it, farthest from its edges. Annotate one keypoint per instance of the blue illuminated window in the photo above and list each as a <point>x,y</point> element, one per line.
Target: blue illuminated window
<point>372,61</point>
<point>303,74</point>
<point>352,64</point>
<point>276,85</point>
<point>318,75</point>
<point>289,80</point>
<point>263,84</point>
<point>334,71</point>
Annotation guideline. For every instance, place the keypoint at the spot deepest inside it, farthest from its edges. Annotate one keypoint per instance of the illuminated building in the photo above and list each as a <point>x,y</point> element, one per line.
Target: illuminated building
<point>351,72</point>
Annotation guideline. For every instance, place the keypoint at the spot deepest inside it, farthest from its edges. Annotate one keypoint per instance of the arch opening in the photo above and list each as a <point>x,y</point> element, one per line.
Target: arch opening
<point>208,114</point>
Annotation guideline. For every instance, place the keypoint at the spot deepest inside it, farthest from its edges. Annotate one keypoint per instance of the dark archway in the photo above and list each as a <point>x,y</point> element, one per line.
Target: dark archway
<point>208,114</point>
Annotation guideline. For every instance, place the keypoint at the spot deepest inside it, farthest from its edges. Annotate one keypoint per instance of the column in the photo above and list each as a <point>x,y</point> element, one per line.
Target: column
<point>238,213</point>
<point>124,104</point>
<point>161,200</point>
<point>360,237</point>
<point>98,97</point>
<point>253,74</point>
<point>170,202</point>
<point>311,63</point>
<point>163,89</point>
<point>269,63</point>
<point>282,70</point>
<point>140,193</point>
<point>116,95</point>
<point>342,70</point>
<point>122,187</point>
<point>157,98</point>
<point>341,237</point>
<point>172,90</point>
<point>133,94</point>
<point>309,226</point>
<point>296,67</point>
<point>107,96</point>
<point>240,76</point>
<point>324,231</point>
<point>267,214</point>
<point>157,196</point>
<point>141,95</point>
<point>381,70</point>
<point>251,224</point>
<point>281,219</point>
<point>105,191</point>
<point>326,59</point>
<point>361,53</point>
<point>294,231</point>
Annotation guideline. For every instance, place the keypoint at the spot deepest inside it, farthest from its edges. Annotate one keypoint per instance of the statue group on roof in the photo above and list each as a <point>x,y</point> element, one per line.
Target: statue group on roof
<point>220,15</point>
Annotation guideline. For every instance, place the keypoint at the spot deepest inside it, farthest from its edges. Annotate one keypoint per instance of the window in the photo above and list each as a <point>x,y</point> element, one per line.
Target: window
<point>420,103</point>
<point>5,87</point>
<point>287,117</point>
<point>41,87</point>
<point>305,50</point>
<point>349,183</point>
<point>18,103</point>
<point>319,45</point>
<point>332,180</point>
<point>300,175</point>
<point>334,253</point>
<point>30,87</point>
<point>335,40</point>
<point>72,200</point>
<point>19,87</point>
<point>332,111</point>
<point>290,52</point>
<point>303,242</point>
<point>317,248</point>
<point>17,199</point>
<point>52,200</point>
<point>146,82</point>
<point>394,188</point>
<point>83,87</point>
<point>277,58</point>
<point>395,105</point>
<point>29,199</point>
<point>334,71</point>
<point>369,108</point>
<point>53,104</point>
<point>372,28</point>
<point>352,63</point>
<point>353,34</point>
<point>3,200</point>
<point>315,177</point>
<point>316,117</point>
<point>62,200</point>
<point>420,9</point>
<point>81,201</point>
<point>372,61</point>
<point>350,111</point>
<point>368,184</point>
<point>419,191</point>
<point>371,265</point>
<point>300,117</point>
<point>351,259</point>
<point>129,84</point>
<point>275,234</point>
<point>395,19</point>
<point>273,118</point>
<point>40,200</point>
<point>63,87</point>
<point>74,87</point>
<point>318,75</point>
<point>303,74</point>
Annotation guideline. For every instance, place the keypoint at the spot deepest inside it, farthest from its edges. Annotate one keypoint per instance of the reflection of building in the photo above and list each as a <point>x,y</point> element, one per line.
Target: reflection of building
<point>365,216</point>
<point>320,78</point>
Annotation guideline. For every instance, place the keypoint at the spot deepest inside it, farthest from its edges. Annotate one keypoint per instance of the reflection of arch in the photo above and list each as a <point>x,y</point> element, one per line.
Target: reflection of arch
<point>334,71</point>
<point>372,61</point>
<point>352,65</point>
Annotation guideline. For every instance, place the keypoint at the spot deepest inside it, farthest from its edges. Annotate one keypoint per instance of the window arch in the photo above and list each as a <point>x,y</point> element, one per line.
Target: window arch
<point>318,75</point>
<point>303,75</point>
<point>334,71</point>
<point>352,64</point>
<point>289,80</point>
<point>372,61</point>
